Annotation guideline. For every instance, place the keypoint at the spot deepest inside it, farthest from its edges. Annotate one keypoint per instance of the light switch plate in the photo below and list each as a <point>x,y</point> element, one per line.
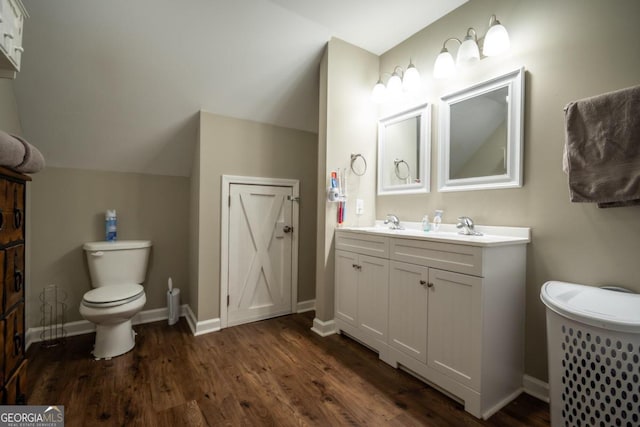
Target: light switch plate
<point>359,206</point>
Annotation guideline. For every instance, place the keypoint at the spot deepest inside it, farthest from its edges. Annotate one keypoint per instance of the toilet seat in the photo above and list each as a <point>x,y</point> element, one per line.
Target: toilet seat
<point>113,295</point>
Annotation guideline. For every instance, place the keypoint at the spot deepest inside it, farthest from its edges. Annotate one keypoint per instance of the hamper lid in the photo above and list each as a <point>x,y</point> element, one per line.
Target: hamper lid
<point>604,308</point>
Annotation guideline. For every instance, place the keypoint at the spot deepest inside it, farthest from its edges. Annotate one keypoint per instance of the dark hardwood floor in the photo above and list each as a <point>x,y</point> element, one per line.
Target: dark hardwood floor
<point>274,373</point>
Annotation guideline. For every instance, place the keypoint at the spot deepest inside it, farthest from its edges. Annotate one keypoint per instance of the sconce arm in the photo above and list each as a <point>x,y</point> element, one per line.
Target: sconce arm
<point>444,45</point>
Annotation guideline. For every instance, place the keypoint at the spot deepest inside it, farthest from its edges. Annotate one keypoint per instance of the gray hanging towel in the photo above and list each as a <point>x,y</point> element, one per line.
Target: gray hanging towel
<point>602,148</point>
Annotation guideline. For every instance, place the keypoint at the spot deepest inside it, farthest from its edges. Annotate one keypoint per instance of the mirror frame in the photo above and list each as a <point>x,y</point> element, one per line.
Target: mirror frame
<point>423,113</point>
<point>514,82</point>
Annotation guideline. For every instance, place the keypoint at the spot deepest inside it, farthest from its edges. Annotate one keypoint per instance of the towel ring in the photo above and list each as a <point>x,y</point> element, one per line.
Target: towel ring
<point>397,164</point>
<point>355,157</point>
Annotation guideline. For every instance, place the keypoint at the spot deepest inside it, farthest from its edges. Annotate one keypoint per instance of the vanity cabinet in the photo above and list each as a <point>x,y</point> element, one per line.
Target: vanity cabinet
<point>362,288</point>
<point>434,317</point>
<point>408,309</point>
<point>13,366</point>
<point>454,310</point>
<point>12,15</point>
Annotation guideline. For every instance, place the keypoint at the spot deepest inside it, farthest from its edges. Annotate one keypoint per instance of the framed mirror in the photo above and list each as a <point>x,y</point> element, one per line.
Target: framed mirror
<point>404,151</point>
<point>480,135</point>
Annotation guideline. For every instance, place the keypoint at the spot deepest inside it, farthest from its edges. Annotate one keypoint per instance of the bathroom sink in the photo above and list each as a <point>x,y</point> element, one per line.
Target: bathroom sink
<point>491,235</point>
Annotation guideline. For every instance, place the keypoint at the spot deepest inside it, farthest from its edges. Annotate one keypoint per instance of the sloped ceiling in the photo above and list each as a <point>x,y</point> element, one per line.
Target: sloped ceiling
<point>116,85</point>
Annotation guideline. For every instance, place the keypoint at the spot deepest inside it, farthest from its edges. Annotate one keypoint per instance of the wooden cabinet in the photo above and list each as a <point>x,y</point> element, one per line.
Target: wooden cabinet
<point>13,366</point>
<point>12,15</point>
<point>454,311</point>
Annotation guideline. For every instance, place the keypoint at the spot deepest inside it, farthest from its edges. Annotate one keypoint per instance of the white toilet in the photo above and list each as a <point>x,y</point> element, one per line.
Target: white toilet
<point>117,272</point>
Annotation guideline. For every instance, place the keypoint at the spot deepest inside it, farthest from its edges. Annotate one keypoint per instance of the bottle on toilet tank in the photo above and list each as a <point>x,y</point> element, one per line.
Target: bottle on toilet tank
<point>111,225</point>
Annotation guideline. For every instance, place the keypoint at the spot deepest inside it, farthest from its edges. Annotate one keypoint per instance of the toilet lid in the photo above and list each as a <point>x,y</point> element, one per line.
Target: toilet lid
<point>113,293</point>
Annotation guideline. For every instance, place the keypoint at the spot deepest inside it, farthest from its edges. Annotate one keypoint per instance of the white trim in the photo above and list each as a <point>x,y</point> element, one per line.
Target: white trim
<point>514,81</point>
<point>504,402</point>
<point>81,327</point>
<point>202,327</point>
<point>423,112</point>
<point>304,306</point>
<point>324,329</point>
<point>536,388</point>
<point>227,180</point>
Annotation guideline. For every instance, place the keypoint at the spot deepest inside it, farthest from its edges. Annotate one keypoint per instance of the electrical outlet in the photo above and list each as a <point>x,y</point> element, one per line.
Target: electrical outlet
<point>359,206</point>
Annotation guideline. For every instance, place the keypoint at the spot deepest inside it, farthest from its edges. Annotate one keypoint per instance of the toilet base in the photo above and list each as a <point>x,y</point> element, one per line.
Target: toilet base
<point>113,340</point>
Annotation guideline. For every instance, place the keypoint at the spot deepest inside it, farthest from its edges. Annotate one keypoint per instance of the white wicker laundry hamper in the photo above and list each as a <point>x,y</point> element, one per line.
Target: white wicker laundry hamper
<point>593,339</point>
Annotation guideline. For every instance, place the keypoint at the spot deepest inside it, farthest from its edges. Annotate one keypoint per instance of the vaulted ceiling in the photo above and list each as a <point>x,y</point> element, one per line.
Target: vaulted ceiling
<point>116,85</point>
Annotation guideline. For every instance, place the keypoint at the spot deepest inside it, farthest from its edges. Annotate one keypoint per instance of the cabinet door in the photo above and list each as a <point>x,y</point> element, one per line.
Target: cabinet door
<point>408,309</point>
<point>346,287</point>
<point>454,326</point>
<point>13,332</point>
<point>13,275</point>
<point>373,286</point>
<point>15,390</point>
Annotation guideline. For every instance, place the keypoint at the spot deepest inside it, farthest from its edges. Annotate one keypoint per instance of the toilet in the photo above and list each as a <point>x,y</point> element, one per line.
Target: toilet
<point>117,271</point>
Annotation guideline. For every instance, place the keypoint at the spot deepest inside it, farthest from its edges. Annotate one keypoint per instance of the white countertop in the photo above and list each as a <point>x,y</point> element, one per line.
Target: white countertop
<point>448,233</point>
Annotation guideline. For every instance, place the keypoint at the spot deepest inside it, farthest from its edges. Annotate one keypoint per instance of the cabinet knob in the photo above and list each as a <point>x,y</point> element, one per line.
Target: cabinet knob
<point>17,281</point>
<point>17,219</point>
<point>423,282</point>
<point>17,344</point>
<point>429,285</point>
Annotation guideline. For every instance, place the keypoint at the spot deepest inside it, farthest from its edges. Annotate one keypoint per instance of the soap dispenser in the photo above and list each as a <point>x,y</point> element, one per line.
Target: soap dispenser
<point>425,224</point>
<point>437,220</point>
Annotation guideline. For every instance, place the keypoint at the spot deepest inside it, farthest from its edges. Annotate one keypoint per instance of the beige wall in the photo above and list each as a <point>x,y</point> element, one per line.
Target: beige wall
<point>570,49</point>
<point>230,146</point>
<point>349,126</point>
<point>9,118</point>
<point>67,210</point>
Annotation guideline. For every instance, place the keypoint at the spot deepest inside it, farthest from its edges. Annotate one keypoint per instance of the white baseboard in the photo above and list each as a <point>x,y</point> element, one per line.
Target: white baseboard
<point>323,328</point>
<point>202,327</point>
<point>536,388</point>
<point>81,327</point>
<point>304,306</point>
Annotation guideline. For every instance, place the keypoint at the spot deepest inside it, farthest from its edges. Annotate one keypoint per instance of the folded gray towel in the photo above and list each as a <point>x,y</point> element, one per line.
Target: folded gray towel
<point>33,159</point>
<point>602,148</point>
<point>12,152</point>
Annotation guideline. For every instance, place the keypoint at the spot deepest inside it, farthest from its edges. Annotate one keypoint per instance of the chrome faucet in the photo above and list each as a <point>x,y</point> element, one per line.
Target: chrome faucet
<point>466,225</point>
<point>394,222</point>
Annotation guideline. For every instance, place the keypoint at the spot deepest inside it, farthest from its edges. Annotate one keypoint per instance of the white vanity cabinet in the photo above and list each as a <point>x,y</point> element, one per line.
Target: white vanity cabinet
<point>12,15</point>
<point>408,309</point>
<point>434,317</point>
<point>454,309</point>
<point>362,289</point>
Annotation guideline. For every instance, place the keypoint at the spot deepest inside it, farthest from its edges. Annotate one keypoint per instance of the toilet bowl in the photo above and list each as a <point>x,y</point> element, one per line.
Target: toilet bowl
<point>117,270</point>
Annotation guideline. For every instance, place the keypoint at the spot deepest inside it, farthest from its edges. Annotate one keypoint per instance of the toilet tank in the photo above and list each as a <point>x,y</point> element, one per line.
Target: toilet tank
<point>119,262</point>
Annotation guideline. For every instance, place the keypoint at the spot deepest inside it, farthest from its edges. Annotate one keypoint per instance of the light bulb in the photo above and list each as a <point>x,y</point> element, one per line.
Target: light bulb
<point>378,93</point>
<point>496,41</point>
<point>411,78</point>
<point>394,85</point>
<point>444,66</point>
<point>468,53</point>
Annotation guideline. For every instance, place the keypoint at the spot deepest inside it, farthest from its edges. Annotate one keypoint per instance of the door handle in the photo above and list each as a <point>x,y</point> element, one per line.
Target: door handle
<point>287,229</point>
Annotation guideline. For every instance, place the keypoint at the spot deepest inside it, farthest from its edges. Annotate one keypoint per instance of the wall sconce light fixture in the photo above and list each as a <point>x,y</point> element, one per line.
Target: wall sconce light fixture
<point>407,80</point>
<point>496,42</point>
